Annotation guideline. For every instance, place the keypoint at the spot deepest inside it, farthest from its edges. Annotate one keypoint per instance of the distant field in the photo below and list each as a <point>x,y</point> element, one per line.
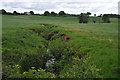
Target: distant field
<point>99,41</point>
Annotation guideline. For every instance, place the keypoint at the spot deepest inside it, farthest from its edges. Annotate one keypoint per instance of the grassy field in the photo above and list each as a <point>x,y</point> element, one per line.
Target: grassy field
<point>99,41</point>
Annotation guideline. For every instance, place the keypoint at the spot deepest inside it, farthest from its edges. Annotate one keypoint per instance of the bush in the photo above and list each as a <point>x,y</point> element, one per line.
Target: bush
<point>80,68</point>
<point>32,60</point>
<point>83,18</point>
<point>62,52</point>
<point>31,73</point>
<point>106,19</point>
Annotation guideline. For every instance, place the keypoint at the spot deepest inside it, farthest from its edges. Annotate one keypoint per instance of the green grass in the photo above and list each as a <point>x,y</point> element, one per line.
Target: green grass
<point>100,41</point>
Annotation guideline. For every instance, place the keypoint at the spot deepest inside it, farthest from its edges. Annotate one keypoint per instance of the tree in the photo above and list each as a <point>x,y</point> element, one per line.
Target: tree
<point>83,18</point>
<point>100,18</point>
<point>61,13</point>
<point>94,21</point>
<point>88,13</point>
<point>100,15</point>
<point>15,12</point>
<point>94,15</point>
<point>46,13</point>
<point>31,12</point>
<point>53,13</point>
<point>105,19</point>
<point>3,11</point>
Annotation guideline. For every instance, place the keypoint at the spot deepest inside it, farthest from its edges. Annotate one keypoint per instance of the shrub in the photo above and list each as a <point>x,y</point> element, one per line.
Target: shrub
<point>80,68</point>
<point>31,73</point>
<point>83,18</point>
<point>106,19</point>
<point>32,60</point>
<point>62,52</point>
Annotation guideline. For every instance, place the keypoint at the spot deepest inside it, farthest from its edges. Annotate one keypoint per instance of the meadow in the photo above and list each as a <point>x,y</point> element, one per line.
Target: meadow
<point>30,34</point>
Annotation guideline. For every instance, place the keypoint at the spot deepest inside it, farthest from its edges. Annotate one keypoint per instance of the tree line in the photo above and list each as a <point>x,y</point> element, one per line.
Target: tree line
<point>46,13</point>
<point>2,11</point>
<point>83,17</point>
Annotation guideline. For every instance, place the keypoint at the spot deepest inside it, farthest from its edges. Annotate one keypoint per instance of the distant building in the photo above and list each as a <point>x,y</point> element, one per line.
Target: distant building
<point>27,13</point>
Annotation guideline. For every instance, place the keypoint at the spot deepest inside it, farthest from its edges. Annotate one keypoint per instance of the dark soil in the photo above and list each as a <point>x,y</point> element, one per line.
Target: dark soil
<point>49,36</point>
<point>64,37</point>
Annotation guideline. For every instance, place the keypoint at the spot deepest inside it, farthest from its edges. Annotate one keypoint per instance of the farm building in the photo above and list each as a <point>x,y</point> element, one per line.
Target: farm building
<point>27,13</point>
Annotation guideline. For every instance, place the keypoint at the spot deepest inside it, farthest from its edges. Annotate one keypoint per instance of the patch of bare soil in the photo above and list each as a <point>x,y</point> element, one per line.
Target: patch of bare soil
<point>64,37</point>
<point>49,36</point>
<point>44,24</point>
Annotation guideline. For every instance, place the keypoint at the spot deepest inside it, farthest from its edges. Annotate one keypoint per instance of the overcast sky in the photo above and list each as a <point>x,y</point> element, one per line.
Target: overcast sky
<point>69,6</point>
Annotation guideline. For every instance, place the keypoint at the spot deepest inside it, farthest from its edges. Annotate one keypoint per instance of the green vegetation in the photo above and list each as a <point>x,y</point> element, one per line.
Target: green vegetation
<point>31,73</point>
<point>83,18</point>
<point>59,47</point>
<point>106,19</point>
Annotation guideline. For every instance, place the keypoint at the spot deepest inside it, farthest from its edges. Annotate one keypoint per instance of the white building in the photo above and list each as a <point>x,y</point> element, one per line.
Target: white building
<point>27,13</point>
